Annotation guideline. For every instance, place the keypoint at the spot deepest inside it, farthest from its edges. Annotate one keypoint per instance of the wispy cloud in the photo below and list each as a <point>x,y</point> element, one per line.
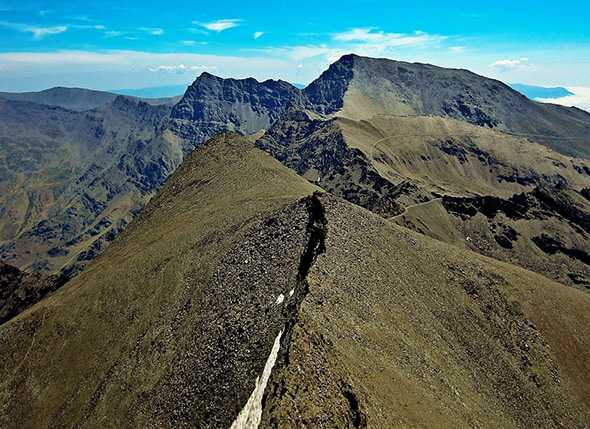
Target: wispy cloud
<point>377,37</point>
<point>112,33</point>
<point>258,34</point>
<point>179,68</point>
<point>507,65</point>
<point>361,41</point>
<point>38,32</point>
<point>457,49</point>
<point>41,32</point>
<point>153,31</point>
<point>219,25</point>
<point>192,42</point>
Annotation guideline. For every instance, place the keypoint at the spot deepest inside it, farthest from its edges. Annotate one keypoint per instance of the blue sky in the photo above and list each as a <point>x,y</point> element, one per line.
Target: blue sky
<point>110,45</point>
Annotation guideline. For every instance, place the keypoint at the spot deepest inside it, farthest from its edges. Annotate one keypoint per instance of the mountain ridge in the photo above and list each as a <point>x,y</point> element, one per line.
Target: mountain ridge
<point>237,262</point>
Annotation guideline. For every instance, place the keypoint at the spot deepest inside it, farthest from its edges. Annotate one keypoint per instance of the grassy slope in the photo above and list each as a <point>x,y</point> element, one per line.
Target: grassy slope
<point>410,147</point>
<point>477,161</point>
<point>399,330</point>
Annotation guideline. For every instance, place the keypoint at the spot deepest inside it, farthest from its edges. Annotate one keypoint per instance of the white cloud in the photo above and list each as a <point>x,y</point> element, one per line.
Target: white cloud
<point>37,32</point>
<point>258,34</point>
<point>31,71</point>
<point>581,98</point>
<point>361,41</point>
<point>220,25</point>
<point>304,52</point>
<point>192,42</point>
<point>457,49</point>
<point>376,37</point>
<point>41,32</point>
<point>179,68</point>
<point>505,65</point>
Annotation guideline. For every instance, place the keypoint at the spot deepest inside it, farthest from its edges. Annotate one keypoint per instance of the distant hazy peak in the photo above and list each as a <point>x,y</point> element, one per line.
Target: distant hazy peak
<point>534,92</point>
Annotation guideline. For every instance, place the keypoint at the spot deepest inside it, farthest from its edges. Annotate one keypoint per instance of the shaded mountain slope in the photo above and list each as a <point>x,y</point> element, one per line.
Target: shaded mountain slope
<point>359,88</point>
<point>235,267</point>
<point>70,178</point>
<point>77,99</point>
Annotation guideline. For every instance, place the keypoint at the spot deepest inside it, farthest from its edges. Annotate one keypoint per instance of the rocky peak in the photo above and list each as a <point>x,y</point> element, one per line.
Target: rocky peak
<point>326,93</point>
<point>360,88</point>
<point>244,105</point>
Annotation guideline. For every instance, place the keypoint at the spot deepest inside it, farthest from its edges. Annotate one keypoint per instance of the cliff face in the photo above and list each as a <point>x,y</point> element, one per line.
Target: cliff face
<point>72,180</point>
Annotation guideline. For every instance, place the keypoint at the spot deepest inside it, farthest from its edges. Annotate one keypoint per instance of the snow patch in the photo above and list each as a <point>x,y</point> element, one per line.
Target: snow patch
<point>280,299</point>
<point>291,292</point>
<point>251,414</point>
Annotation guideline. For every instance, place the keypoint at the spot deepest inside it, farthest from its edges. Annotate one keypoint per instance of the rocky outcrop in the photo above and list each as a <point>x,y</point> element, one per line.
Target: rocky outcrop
<point>19,290</point>
<point>326,93</point>
<point>548,219</point>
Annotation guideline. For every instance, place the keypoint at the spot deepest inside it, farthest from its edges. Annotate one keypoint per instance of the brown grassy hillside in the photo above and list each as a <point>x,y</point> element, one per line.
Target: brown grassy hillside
<point>373,325</point>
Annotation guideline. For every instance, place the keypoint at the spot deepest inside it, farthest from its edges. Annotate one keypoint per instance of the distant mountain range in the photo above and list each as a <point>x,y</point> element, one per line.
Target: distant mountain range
<point>154,92</point>
<point>77,99</point>
<point>72,180</point>
<point>534,92</point>
<point>85,99</point>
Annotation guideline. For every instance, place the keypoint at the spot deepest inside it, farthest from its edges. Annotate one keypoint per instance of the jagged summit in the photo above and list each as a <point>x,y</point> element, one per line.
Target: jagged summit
<point>244,105</point>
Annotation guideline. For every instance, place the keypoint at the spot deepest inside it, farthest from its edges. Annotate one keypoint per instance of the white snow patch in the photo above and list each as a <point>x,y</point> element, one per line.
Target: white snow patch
<point>251,414</point>
<point>280,299</point>
<point>291,292</point>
